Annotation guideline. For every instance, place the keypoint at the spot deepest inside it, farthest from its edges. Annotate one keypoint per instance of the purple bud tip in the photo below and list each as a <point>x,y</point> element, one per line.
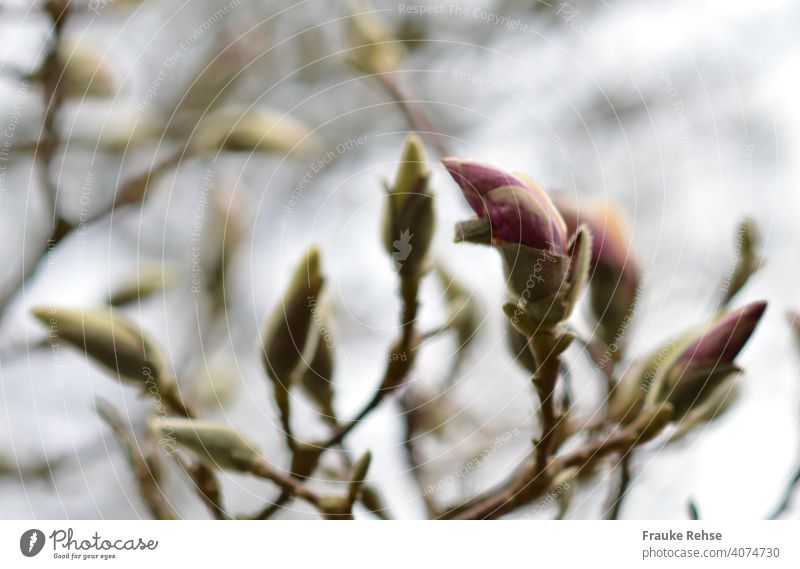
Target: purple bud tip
<point>726,338</point>
<point>519,211</point>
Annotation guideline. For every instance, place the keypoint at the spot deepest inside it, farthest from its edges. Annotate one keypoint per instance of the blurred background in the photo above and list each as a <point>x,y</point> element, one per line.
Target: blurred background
<point>684,112</point>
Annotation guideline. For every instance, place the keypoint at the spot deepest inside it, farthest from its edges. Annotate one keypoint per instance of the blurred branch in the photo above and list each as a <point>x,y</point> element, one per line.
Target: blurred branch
<point>144,463</point>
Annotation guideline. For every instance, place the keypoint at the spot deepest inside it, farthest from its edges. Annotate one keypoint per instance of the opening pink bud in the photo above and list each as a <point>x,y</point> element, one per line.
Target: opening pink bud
<point>517,208</point>
<point>726,338</point>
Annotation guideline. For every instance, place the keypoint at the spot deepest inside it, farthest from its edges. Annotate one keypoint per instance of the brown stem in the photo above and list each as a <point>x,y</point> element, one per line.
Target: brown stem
<point>529,482</point>
<point>144,463</point>
<point>620,489</point>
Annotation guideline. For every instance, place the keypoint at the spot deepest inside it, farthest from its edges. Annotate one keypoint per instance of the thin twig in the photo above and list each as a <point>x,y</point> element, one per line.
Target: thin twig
<point>620,489</point>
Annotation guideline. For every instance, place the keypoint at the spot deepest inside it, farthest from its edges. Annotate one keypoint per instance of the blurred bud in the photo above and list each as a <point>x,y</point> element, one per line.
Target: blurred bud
<point>146,282</point>
<point>219,444</point>
<point>358,477</point>
<point>305,457</point>
<point>317,376</point>
<point>111,339</point>
<point>793,316</point>
<point>86,70</point>
<point>112,126</point>
<point>373,49</point>
<point>726,337</point>
<point>614,273</point>
<point>286,335</point>
<point>335,508</point>
<point>687,369</point>
<point>748,261</point>
<point>519,211</point>
<point>464,314</point>
<point>408,218</point>
<point>251,130</point>
<point>709,359</point>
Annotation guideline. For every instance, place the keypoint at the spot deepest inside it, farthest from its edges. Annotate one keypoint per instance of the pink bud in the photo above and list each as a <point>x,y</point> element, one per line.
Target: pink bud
<point>610,237</point>
<point>517,208</point>
<point>726,338</point>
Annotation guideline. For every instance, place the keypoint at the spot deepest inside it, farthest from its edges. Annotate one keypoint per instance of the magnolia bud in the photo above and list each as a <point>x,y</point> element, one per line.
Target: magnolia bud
<point>287,333</point>
<point>373,48</point>
<point>86,72</point>
<point>519,211</point>
<point>146,282</point>
<point>111,339</point>
<point>409,219</point>
<point>251,130</point>
<point>217,443</point>
<point>305,457</point>
<point>358,477</point>
<point>614,273</point>
<point>793,316</point>
<point>687,369</point>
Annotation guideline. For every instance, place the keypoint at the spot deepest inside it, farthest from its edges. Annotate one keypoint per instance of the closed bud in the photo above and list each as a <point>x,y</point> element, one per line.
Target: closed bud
<point>251,130</point>
<point>111,339</point>
<point>688,368</point>
<point>145,283</point>
<point>86,72</point>
<point>614,272</point>
<point>335,508</point>
<point>409,218</point>
<point>519,210</point>
<point>219,444</point>
<point>357,478</point>
<point>793,316</point>
<point>305,457</point>
<point>287,332</point>
<point>373,49</point>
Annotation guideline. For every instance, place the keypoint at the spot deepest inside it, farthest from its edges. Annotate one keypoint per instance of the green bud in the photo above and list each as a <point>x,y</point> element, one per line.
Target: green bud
<point>409,217</point>
<point>251,130</point>
<point>305,457</point>
<point>373,47</point>
<point>86,72</point>
<point>145,283</point>
<point>358,477</point>
<point>111,339</point>
<point>335,508</point>
<point>286,335</point>
<point>219,444</point>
